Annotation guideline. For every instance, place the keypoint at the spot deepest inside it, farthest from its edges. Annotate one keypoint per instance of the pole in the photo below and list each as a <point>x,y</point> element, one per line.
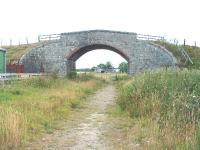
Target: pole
<point>26,40</point>
<point>19,42</point>
<point>10,42</point>
<point>184,42</point>
<point>38,38</point>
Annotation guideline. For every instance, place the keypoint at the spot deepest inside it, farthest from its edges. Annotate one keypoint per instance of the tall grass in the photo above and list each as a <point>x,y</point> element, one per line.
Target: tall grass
<point>32,107</point>
<point>170,99</point>
<point>11,128</point>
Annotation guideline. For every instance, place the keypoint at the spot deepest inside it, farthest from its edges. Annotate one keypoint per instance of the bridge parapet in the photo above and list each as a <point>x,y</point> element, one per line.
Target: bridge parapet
<point>99,31</point>
<point>48,37</point>
<point>97,36</point>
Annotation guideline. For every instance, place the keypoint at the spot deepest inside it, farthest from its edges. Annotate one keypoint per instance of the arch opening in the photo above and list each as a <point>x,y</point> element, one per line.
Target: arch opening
<point>95,51</point>
<point>78,52</point>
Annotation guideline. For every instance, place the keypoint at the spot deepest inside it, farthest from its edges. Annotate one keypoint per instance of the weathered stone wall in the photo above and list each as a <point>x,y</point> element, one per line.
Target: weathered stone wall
<point>61,55</point>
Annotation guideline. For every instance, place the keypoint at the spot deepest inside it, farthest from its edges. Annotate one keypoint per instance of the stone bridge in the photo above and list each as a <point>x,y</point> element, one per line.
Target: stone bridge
<point>60,55</point>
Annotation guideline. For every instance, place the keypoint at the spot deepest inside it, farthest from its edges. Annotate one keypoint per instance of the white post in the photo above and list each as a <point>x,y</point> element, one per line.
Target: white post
<point>26,40</point>
<point>10,42</point>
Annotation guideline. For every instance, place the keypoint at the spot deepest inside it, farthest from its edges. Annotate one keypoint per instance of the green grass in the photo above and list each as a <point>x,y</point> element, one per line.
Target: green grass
<point>32,107</point>
<point>16,52</point>
<point>165,105</point>
<point>194,53</point>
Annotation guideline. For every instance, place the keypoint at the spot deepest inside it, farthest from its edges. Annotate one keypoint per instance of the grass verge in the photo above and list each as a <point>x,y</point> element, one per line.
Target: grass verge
<point>165,107</point>
<point>32,107</point>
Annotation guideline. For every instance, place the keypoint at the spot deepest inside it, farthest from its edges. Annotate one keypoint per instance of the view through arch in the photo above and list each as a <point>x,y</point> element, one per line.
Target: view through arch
<point>75,54</point>
<point>97,59</point>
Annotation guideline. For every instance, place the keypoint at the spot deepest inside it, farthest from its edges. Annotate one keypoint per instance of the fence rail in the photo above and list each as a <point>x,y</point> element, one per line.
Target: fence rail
<point>139,36</point>
<point>18,76</point>
<point>149,37</point>
<point>49,37</point>
<point>25,41</point>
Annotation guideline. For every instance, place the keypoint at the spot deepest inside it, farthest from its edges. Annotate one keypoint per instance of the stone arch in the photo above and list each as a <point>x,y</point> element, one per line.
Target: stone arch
<point>60,55</point>
<point>76,53</point>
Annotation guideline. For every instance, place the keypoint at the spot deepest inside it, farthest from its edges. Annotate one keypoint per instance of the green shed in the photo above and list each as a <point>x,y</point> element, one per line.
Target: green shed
<point>2,60</point>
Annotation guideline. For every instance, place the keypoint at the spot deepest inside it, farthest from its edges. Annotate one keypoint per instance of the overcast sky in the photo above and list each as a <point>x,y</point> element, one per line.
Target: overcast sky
<point>29,18</point>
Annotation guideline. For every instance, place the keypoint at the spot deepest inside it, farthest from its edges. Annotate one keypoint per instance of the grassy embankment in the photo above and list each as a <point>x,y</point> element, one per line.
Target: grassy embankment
<point>32,107</point>
<point>16,52</point>
<point>165,108</point>
<point>194,53</point>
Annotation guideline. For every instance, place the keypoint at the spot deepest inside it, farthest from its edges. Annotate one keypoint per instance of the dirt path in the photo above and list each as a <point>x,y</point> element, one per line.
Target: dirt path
<point>86,128</point>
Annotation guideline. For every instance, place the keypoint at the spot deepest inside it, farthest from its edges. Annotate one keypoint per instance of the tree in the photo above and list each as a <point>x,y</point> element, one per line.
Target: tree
<point>123,67</point>
<point>104,67</point>
<point>93,69</point>
<point>109,65</point>
<point>101,66</point>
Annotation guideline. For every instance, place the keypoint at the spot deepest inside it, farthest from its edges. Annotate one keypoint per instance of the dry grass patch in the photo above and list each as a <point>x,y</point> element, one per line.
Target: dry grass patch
<point>37,106</point>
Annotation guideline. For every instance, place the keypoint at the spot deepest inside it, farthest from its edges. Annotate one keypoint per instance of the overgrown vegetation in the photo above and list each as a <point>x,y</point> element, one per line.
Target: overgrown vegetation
<point>194,53</point>
<point>32,107</point>
<point>165,105</point>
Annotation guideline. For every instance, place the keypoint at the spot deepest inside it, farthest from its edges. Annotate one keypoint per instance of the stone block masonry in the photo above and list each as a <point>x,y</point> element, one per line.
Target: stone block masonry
<point>61,55</point>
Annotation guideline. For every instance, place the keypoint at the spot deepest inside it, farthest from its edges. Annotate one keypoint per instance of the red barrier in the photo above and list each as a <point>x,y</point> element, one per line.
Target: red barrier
<point>15,68</point>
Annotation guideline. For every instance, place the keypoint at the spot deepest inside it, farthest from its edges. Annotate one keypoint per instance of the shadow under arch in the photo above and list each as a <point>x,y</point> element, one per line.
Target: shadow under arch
<point>76,53</point>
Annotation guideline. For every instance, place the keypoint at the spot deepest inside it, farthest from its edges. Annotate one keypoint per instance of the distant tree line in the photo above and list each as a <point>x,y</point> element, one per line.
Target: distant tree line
<point>123,67</point>
<point>107,66</point>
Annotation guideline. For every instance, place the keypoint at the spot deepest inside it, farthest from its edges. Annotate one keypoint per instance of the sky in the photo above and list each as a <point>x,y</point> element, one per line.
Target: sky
<point>169,18</point>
